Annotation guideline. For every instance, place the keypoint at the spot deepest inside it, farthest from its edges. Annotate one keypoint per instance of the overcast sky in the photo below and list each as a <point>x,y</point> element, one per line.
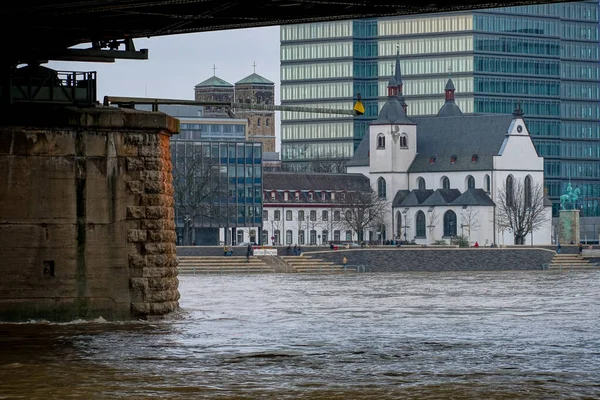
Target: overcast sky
<point>177,63</point>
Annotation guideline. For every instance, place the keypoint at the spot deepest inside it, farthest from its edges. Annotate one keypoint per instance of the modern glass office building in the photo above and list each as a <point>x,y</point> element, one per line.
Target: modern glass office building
<point>543,56</point>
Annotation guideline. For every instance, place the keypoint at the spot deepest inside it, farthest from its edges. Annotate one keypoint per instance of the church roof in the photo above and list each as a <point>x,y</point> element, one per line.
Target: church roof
<point>399,197</point>
<point>255,79</point>
<point>441,197</point>
<point>443,138</point>
<point>361,154</point>
<point>473,197</point>
<point>214,81</point>
<point>392,113</point>
<point>416,197</point>
<point>449,109</point>
<point>449,85</point>
<point>293,181</point>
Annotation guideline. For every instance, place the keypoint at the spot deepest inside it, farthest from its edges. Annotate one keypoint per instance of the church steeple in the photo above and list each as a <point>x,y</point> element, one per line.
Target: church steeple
<point>398,79</point>
<point>449,109</point>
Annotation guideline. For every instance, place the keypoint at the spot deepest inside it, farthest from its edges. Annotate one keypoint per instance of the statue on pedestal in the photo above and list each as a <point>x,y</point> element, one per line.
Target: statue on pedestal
<point>567,200</point>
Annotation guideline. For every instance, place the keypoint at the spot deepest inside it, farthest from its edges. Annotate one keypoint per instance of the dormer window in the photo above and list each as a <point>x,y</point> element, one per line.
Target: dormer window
<point>311,196</point>
<point>474,158</point>
<point>297,196</point>
<point>323,196</point>
<point>286,196</point>
<point>432,160</point>
<point>273,194</point>
<point>453,159</point>
<point>332,196</point>
<point>381,141</point>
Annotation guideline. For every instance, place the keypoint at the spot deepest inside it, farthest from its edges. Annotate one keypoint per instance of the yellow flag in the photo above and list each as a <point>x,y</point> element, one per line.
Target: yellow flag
<point>359,108</point>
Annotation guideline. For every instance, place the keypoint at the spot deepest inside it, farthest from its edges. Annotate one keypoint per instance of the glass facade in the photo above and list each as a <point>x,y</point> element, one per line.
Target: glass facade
<point>217,184</point>
<point>545,56</point>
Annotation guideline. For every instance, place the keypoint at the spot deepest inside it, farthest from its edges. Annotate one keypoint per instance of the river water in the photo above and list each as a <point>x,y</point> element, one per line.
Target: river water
<point>508,335</point>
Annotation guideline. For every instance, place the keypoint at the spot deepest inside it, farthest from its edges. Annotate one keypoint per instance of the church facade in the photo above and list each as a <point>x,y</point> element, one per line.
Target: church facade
<point>444,175</point>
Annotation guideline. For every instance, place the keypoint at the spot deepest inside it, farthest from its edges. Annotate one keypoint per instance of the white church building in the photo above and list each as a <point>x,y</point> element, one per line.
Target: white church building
<point>443,174</point>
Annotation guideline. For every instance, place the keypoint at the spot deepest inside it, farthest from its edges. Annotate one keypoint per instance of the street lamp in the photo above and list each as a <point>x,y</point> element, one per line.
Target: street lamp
<point>188,231</point>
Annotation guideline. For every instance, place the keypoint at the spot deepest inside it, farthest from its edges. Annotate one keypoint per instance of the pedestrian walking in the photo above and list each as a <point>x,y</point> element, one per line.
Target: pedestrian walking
<point>580,248</point>
<point>558,249</point>
<point>248,252</point>
<point>344,261</point>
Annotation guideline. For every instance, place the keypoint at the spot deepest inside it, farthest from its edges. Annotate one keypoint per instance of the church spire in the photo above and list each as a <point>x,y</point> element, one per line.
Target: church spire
<point>398,79</point>
<point>449,109</point>
<point>449,89</point>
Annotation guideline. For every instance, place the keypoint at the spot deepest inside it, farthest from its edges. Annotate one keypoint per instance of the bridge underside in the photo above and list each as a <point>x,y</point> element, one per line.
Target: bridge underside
<point>40,31</point>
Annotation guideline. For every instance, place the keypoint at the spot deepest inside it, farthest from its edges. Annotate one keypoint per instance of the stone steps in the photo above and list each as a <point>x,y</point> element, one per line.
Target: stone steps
<point>222,264</point>
<point>308,264</point>
<point>570,261</point>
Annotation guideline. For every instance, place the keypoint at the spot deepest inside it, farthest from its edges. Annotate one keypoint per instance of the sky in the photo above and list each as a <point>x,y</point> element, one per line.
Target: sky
<point>177,63</point>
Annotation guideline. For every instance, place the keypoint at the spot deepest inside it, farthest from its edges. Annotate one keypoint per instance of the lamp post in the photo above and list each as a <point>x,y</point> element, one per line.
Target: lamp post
<point>188,232</point>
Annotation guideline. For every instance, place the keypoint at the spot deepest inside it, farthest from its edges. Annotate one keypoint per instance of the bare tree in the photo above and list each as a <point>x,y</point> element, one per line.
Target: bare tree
<point>469,219</point>
<point>199,187</point>
<point>362,208</point>
<point>521,208</point>
<point>328,163</point>
<point>434,220</point>
<point>333,220</point>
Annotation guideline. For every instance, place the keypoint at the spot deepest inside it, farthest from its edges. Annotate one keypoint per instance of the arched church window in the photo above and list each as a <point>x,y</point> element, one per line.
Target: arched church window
<point>381,188</point>
<point>450,223</point>
<point>510,190</point>
<point>528,191</point>
<point>381,141</point>
<point>445,182</point>
<point>404,141</point>
<point>470,182</point>
<point>420,218</point>
<point>421,183</point>
<point>398,224</point>
<point>487,184</point>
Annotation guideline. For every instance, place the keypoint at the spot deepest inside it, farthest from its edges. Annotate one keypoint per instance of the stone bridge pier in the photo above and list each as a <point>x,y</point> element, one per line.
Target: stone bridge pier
<point>86,214</point>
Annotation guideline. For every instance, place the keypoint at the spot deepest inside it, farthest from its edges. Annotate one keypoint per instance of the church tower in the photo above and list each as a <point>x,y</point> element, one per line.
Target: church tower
<point>449,109</point>
<point>255,89</point>
<point>392,141</point>
<point>214,89</point>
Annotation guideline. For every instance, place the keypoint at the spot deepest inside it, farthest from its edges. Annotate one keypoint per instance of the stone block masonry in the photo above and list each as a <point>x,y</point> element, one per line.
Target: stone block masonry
<point>86,214</point>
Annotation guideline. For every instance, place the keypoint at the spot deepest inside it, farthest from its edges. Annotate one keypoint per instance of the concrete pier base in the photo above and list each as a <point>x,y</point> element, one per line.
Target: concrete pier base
<point>86,214</point>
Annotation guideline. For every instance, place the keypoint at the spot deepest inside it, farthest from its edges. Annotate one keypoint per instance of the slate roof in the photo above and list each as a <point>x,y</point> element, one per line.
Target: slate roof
<point>361,154</point>
<point>293,181</point>
<point>450,109</point>
<point>416,197</point>
<point>441,197</point>
<point>214,81</point>
<point>473,197</point>
<point>443,137</point>
<point>399,197</point>
<point>254,79</point>
<point>392,113</point>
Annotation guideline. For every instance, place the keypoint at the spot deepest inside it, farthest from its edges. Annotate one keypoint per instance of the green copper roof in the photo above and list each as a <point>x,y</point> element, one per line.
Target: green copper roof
<point>254,79</point>
<point>214,81</point>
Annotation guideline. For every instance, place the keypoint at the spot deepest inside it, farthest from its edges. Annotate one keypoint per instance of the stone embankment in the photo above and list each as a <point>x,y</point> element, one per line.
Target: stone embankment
<point>412,258</point>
